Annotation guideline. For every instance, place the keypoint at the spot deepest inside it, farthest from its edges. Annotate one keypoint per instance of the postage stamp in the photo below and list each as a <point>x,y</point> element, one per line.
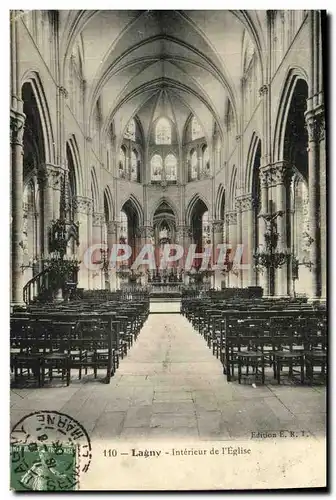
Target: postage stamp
<point>49,452</point>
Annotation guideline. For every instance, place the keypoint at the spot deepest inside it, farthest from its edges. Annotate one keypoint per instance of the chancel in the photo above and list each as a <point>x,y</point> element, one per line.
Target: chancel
<point>200,134</point>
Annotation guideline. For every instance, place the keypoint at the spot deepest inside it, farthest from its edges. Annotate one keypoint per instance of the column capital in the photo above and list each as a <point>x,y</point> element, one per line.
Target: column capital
<point>82,204</point>
<point>98,219</point>
<point>217,226</point>
<point>17,121</point>
<point>246,202</point>
<point>276,173</point>
<point>263,176</point>
<point>231,217</point>
<point>184,230</point>
<point>50,175</point>
<point>112,227</point>
<point>146,231</point>
<point>315,124</point>
<point>279,173</point>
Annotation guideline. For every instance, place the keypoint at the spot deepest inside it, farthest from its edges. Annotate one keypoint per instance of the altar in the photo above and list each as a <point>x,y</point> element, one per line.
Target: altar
<point>165,283</point>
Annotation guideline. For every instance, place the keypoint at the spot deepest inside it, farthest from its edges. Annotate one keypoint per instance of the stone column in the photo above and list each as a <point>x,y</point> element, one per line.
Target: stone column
<point>50,177</point>
<point>323,207</point>
<point>138,244</point>
<point>83,207</point>
<point>17,120</point>
<point>231,234</point>
<point>226,241</point>
<point>217,228</point>
<point>97,233</point>
<point>264,277</point>
<point>246,207</point>
<point>279,175</point>
<point>315,133</point>
<point>239,241</point>
<point>313,179</point>
<point>112,240</point>
<point>145,236</point>
<point>183,238</point>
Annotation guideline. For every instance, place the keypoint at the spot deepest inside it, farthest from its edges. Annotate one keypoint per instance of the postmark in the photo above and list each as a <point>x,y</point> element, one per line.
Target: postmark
<point>49,452</point>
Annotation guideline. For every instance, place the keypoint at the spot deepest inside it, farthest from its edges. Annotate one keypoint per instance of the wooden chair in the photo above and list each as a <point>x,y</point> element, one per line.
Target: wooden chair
<point>93,347</point>
<point>316,351</point>
<point>253,348</point>
<point>25,359</point>
<point>288,348</point>
<point>55,351</point>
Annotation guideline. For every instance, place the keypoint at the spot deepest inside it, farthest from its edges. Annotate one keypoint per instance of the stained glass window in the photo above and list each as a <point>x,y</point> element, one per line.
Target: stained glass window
<point>122,163</point>
<point>170,167</point>
<point>196,129</point>
<point>193,164</point>
<point>156,168</point>
<point>134,166</point>
<point>206,160</point>
<point>130,131</point>
<point>163,132</point>
<point>123,234</point>
<point>206,233</point>
<point>249,53</point>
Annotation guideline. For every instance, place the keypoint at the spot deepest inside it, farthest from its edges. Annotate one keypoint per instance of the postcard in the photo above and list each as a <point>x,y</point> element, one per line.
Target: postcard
<point>168,322</point>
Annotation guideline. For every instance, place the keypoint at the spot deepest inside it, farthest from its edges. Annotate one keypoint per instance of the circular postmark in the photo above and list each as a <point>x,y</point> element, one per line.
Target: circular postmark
<point>49,452</point>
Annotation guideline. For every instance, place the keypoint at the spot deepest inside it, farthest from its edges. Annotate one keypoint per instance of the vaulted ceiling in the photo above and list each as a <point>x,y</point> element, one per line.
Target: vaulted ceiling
<point>134,59</point>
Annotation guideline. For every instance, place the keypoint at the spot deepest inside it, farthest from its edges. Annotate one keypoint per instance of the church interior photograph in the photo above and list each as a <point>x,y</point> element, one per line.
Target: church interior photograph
<point>168,224</point>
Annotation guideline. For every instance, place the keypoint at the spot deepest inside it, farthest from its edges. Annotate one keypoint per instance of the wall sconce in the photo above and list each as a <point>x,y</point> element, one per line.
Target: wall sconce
<point>295,266</point>
<point>30,265</point>
<point>307,263</point>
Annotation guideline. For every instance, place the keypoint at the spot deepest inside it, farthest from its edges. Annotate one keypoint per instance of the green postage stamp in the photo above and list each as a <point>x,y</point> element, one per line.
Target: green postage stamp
<point>49,452</point>
<point>43,467</point>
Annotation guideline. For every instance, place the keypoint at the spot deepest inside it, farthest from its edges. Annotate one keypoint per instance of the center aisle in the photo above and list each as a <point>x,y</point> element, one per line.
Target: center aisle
<point>170,385</point>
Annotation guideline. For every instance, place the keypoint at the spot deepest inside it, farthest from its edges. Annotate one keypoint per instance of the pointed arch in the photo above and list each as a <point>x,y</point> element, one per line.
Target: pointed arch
<point>292,77</point>
<point>94,191</point>
<point>196,198</point>
<point>220,203</point>
<point>136,205</point>
<point>230,116</point>
<point>167,201</point>
<point>186,128</point>
<point>35,81</point>
<point>249,171</point>
<point>192,124</point>
<point>233,187</point>
<point>108,204</point>
<point>75,154</point>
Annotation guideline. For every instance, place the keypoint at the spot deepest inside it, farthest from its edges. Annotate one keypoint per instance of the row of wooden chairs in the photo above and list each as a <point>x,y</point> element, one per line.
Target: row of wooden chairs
<point>45,343</point>
<point>291,341</point>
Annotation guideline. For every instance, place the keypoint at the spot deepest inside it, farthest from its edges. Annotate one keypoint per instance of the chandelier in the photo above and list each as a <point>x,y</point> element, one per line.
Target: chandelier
<point>60,232</point>
<point>267,255</point>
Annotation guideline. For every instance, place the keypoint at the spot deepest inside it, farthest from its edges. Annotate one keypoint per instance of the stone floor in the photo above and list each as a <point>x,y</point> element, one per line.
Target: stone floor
<point>171,386</point>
